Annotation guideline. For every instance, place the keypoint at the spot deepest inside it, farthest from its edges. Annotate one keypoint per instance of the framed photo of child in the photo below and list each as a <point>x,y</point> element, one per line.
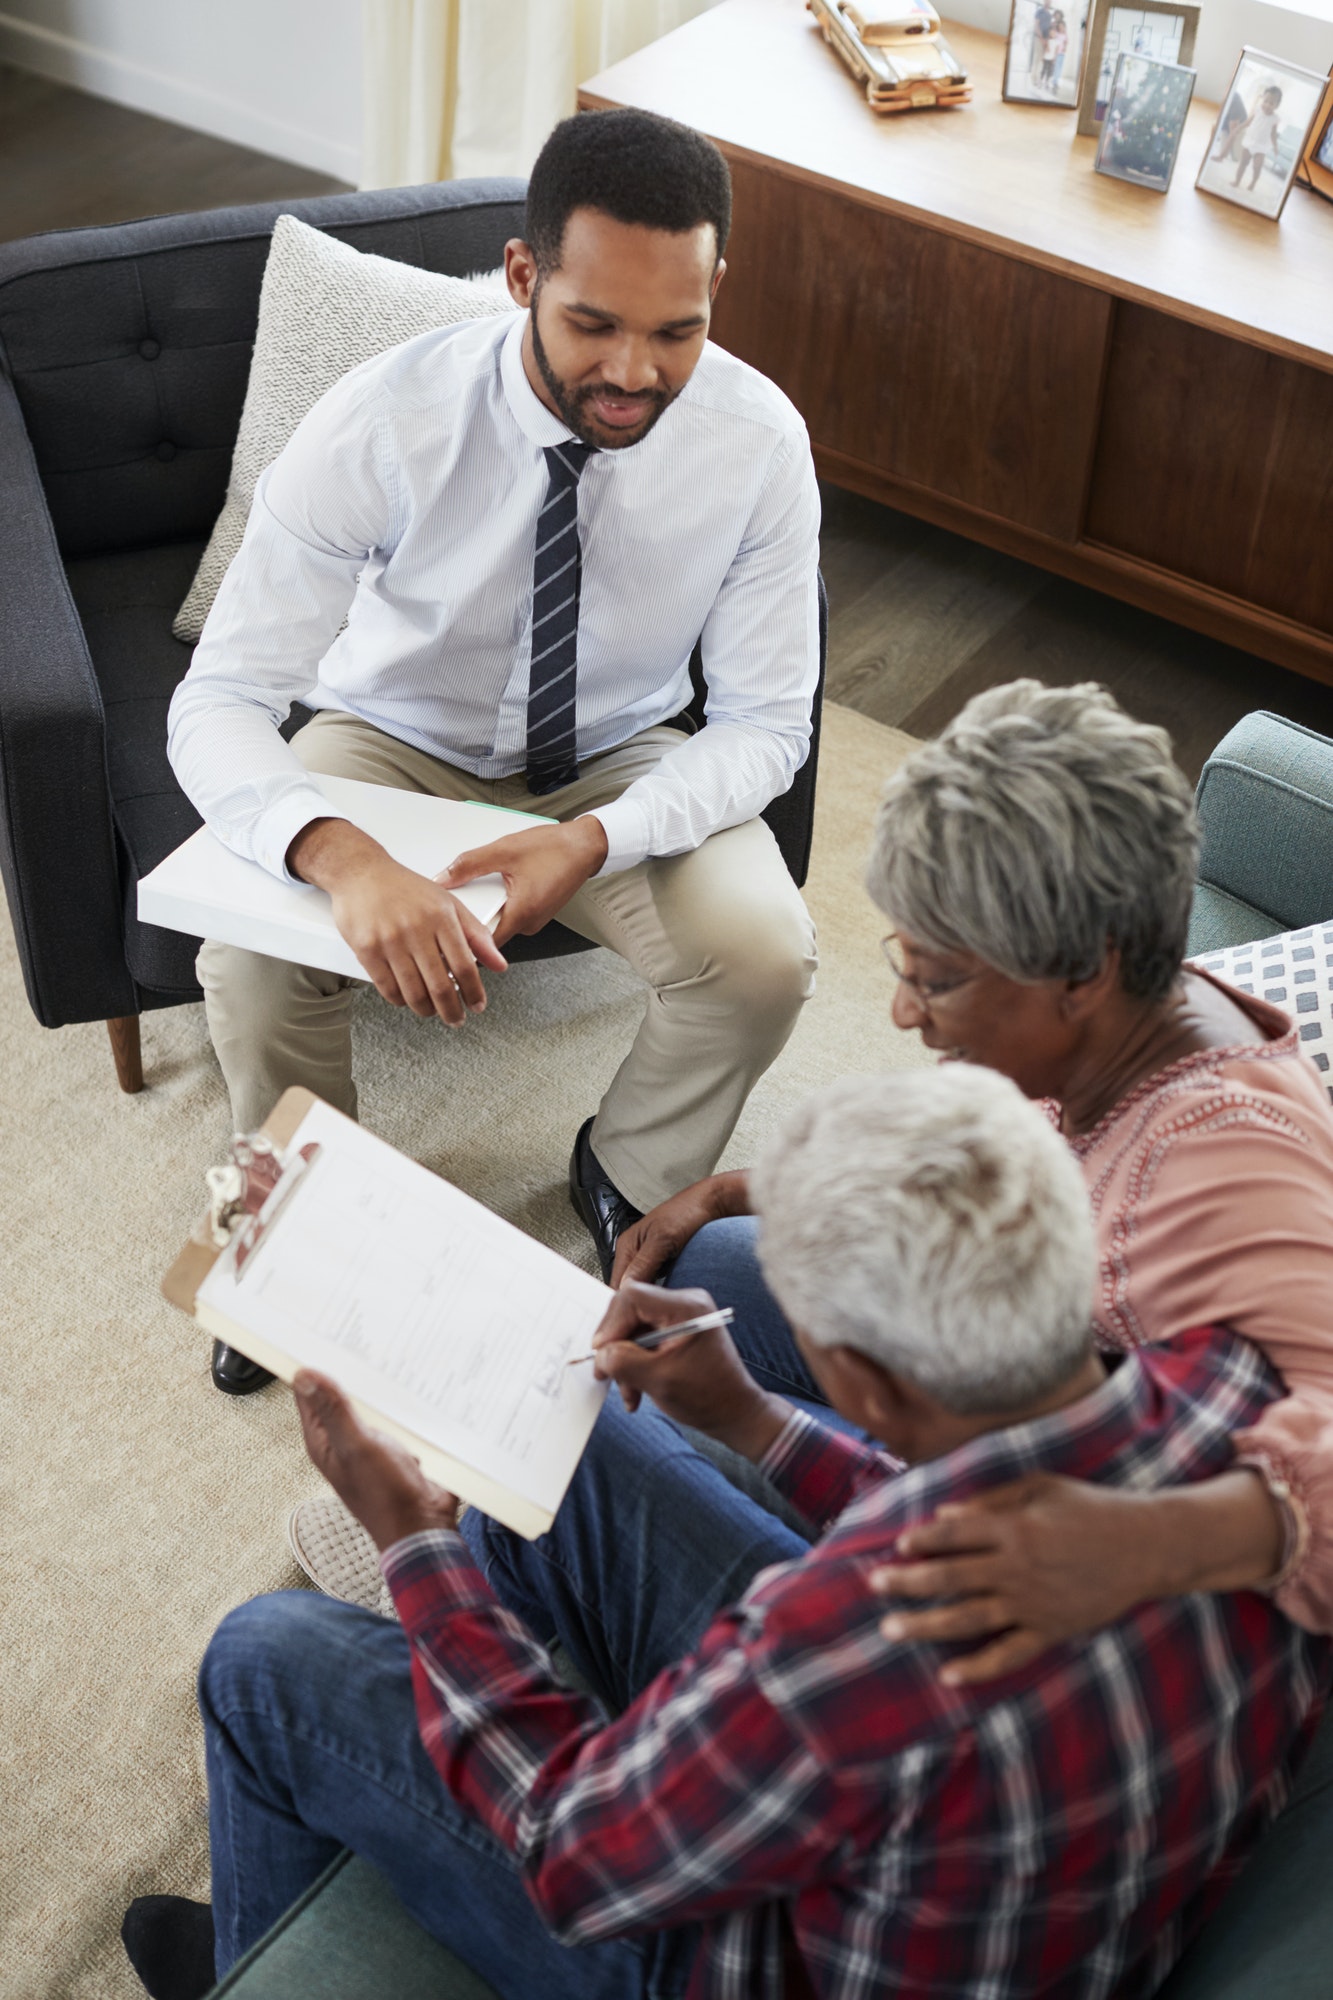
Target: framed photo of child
<point>1161,29</point>
<point>1262,129</point>
<point>1045,51</point>
<point>1317,159</point>
<point>1145,118</point>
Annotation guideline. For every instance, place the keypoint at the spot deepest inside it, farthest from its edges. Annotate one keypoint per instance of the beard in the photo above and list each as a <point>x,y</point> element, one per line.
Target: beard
<point>573,403</point>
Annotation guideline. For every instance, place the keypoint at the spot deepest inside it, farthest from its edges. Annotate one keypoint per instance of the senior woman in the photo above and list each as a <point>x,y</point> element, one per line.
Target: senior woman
<point>1035,865</point>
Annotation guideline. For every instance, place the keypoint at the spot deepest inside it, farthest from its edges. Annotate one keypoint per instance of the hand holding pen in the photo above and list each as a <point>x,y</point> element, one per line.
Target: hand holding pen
<point>720,1316</point>
<point>675,1347</point>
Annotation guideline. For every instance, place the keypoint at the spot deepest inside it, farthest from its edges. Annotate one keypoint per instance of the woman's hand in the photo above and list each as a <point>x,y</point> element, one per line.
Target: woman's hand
<point>645,1249</point>
<point>1024,1565</point>
<point>1046,1559</point>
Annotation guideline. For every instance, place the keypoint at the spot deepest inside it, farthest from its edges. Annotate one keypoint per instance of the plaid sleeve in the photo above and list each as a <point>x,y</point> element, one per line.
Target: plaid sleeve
<point>703,1797</point>
<point>821,1471</point>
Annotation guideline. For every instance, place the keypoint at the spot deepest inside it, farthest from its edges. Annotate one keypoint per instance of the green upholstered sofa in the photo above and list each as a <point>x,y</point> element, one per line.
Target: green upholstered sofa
<point>349,1938</point>
<point>1266,809</point>
<point>1266,806</point>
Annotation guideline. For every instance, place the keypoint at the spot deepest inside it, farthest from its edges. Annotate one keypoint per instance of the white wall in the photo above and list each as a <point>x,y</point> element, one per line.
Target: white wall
<point>1226,25</point>
<point>283,76</point>
<point>1303,35</point>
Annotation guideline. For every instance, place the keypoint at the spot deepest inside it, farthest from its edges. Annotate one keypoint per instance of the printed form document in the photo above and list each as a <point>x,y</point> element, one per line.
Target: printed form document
<point>448,1327</point>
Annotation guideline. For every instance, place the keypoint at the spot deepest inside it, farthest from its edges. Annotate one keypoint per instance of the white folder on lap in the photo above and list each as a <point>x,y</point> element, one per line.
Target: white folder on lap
<point>207,891</point>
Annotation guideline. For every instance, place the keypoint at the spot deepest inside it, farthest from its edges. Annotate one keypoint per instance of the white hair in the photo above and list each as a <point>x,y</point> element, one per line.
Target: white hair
<point>937,1222</point>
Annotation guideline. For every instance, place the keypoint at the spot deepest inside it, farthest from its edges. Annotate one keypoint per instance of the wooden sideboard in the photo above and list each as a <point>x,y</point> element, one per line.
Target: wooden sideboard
<point>1130,389</point>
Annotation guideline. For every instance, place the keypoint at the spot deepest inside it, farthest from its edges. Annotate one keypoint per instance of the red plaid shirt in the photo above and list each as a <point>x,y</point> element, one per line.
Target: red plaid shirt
<point>1061,1832</point>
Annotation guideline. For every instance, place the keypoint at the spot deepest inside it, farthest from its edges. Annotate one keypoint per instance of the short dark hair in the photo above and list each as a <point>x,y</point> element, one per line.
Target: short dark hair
<point>633,166</point>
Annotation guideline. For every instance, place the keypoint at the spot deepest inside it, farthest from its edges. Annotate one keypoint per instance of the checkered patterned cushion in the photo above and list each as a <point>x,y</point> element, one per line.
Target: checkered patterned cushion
<point>1296,972</point>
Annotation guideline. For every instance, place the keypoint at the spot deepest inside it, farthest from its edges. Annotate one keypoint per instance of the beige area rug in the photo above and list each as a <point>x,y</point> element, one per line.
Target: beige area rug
<point>137,1505</point>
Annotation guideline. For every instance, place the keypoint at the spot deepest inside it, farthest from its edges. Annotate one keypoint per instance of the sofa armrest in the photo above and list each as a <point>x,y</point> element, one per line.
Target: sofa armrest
<point>1272,1938</point>
<point>349,1938</point>
<point>1265,803</point>
<point>57,844</point>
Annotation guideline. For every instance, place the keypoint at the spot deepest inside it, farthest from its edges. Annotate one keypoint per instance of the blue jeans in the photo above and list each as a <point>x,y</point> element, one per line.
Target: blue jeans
<point>722,1259</point>
<point>311,1731</point>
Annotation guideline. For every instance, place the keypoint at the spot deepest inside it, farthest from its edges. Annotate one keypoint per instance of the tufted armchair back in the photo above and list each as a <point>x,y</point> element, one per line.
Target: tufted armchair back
<point>129,348</point>
<point>124,356</point>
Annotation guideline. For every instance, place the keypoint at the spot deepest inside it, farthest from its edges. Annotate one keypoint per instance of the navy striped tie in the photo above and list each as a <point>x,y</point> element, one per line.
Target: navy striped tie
<point>552,680</point>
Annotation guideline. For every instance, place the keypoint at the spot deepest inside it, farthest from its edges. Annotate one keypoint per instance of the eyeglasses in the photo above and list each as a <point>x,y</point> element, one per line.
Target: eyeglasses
<point>926,990</point>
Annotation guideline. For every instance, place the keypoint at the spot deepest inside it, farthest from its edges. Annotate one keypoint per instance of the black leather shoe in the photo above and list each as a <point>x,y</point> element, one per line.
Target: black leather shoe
<point>234,1374</point>
<point>598,1202</point>
<point>169,1942</point>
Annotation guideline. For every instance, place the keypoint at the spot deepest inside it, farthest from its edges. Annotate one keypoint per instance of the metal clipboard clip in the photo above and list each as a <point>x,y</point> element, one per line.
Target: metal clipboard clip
<point>247,1195</point>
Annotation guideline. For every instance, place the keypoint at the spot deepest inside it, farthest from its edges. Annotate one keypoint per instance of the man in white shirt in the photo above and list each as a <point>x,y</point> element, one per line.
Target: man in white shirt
<point>526,524</point>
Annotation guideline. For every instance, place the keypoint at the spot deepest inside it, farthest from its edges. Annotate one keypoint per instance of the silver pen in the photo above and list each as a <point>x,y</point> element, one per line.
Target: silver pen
<point>722,1317</point>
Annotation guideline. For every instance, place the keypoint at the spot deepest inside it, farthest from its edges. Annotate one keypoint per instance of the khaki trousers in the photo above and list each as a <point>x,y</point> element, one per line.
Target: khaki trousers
<point>720,935</point>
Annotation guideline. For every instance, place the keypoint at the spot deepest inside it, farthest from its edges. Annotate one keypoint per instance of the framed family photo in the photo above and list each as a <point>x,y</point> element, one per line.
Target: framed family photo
<point>1045,52</point>
<point>1144,121</point>
<point>1317,159</point>
<point>1263,128</point>
<point>1162,29</point>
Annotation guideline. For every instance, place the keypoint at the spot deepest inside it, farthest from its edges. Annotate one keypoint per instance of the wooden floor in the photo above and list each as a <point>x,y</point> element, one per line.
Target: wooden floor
<point>67,159</point>
<point>920,619</point>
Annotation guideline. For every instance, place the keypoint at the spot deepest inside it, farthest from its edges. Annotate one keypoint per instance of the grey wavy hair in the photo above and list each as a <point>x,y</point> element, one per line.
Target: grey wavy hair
<point>1041,826</point>
<point>937,1222</point>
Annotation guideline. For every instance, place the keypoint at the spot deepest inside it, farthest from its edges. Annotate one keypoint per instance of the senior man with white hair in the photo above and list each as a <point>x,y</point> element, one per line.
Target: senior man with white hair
<point>773,1798</point>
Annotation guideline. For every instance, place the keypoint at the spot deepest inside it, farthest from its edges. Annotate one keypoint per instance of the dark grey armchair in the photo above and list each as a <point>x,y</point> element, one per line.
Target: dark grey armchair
<point>124,354</point>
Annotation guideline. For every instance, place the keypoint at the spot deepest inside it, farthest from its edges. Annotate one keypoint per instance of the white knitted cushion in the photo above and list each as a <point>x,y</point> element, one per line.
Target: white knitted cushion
<point>323,309</point>
<point>1296,971</point>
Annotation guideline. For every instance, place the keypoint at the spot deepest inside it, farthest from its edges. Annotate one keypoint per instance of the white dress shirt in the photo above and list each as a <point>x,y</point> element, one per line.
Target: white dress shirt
<point>406,505</point>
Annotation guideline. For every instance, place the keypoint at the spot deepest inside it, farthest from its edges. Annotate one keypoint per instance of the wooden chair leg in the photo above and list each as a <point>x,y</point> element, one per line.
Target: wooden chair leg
<point>124,1033</point>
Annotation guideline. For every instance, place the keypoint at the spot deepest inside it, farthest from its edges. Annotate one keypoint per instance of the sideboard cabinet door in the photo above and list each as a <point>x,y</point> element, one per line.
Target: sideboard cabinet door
<point>1216,462</point>
<point>951,367</point>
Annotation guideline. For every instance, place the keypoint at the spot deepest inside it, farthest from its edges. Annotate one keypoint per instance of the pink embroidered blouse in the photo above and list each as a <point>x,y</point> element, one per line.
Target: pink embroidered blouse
<point>1212,1188</point>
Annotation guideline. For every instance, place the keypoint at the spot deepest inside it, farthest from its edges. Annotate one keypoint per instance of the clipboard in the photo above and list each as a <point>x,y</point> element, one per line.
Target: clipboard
<point>181,1286</point>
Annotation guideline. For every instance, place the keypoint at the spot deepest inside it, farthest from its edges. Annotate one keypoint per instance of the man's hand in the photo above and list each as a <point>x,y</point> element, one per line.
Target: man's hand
<point>645,1249</point>
<point>417,943</point>
<point>698,1380</point>
<point>376,1480</point>
<point>542,868</point>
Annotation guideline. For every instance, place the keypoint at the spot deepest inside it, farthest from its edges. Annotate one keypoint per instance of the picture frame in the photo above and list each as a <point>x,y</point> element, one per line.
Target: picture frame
<point>1316,169</point>
<point>1043,56</point>
<point>1145,121</point>
<point>1162,29</point>
<point>1276,103</point>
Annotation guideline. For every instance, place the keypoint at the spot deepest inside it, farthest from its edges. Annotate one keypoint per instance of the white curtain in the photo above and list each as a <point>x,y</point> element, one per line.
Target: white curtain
<point>461,87</point>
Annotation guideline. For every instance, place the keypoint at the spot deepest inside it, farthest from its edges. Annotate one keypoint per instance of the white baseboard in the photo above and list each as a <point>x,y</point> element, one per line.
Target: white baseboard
<point>66,60</point>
